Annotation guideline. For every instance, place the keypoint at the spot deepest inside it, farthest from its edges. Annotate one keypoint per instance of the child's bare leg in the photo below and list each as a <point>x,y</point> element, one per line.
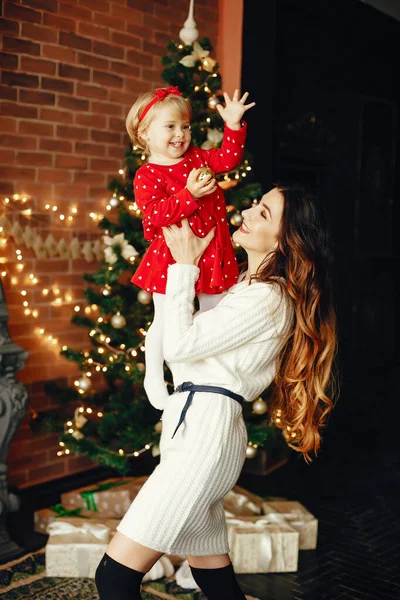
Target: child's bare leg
<point>154,378</point>
<point>208,301</point>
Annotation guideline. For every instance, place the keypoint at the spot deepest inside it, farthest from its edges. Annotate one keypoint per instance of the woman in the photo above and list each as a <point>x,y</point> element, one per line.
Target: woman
<point>276,324</point>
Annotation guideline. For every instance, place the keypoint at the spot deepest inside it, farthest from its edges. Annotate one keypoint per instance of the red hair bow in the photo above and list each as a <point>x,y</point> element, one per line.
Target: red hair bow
<point>160,94</point>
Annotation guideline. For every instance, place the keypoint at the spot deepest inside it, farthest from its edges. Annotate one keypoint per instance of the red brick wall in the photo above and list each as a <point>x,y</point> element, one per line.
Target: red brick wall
<point>70,72</point>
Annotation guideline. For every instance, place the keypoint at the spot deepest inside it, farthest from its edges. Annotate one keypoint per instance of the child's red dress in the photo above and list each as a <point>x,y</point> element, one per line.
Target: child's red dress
<point>161,195</point>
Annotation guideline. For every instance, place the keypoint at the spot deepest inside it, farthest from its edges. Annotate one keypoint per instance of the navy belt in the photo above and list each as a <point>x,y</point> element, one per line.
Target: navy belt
<point>188,386</point>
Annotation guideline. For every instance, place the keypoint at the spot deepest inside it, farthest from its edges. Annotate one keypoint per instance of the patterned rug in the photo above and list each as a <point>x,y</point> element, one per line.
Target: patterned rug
<point>25,578</point>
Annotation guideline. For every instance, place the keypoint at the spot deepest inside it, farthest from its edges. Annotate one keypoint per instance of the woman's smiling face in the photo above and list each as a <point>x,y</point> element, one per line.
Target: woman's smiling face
<point>261,224</point>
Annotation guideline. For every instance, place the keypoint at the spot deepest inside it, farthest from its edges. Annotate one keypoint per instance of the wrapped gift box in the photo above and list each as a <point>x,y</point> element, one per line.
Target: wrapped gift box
<point>265,544</point>
<point>75,550</point>
<point>110,498</point>
<point>299,518</point>
<point>240,502</point>
<point>42,518</point>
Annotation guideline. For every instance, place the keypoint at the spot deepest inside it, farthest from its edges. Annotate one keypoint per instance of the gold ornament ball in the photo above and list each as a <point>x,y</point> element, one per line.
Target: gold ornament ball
<point>118,321</point>
<point>251,452</point>
<point>141,367</point>
<point>158,427</point>
<point>260,406</point>
<point>84,383</point>
<point>113,201</point>
<point>144,297</point>
<point>236,219</point>
<point>212,102</point>
<point>205,173</point>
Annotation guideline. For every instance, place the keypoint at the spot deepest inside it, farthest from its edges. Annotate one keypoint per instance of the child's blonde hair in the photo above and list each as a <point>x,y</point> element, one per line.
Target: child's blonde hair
<point>178,106</point>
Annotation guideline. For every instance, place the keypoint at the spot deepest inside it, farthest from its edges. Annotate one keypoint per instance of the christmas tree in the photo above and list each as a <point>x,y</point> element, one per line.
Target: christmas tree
<point>107,415</point>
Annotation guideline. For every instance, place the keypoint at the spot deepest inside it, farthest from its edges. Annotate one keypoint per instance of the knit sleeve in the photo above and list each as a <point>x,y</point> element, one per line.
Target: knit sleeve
<point>230,155</point>
<point>238,319</point>
<point>159,208</point>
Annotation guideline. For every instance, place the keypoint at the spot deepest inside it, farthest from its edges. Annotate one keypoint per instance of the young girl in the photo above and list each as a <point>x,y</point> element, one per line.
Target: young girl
<point>172,186</point>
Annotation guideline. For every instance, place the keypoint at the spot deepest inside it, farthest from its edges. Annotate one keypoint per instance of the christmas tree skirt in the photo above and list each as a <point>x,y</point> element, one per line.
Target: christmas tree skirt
<point>25,578</point>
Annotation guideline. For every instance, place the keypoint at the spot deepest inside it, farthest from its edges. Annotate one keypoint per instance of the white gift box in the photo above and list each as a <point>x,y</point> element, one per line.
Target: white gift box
<point>75,550</point>
<point>265,544</point>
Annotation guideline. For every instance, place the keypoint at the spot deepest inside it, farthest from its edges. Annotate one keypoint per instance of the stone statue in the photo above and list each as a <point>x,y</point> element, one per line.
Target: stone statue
<point>13,403</point>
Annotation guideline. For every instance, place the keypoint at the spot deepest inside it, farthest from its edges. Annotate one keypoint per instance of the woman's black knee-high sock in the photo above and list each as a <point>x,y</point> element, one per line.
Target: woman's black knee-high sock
<point>218,584</point>
<point>117,582</point>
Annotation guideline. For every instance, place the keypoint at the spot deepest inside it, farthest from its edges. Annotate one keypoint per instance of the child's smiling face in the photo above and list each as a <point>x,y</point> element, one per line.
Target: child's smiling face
<point>168,137</point>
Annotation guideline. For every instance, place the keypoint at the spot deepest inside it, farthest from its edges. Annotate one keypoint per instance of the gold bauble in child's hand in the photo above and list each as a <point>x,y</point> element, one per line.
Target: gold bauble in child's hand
<point>204,173</point>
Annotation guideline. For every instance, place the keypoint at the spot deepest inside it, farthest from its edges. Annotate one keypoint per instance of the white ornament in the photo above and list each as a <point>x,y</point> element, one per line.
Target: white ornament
<point>79,419</point>
<point>144,297</point>
<point>189,32</point>
<point>38,248</point>
<point>84,383</point>
<point>51,245</point>
<point>118,321</point>
<point>113,201</point>
<point>251,452</point>
<point>214,138</point>
<point>78,435</point>
<point>236,219</point>
<point>260,406</point>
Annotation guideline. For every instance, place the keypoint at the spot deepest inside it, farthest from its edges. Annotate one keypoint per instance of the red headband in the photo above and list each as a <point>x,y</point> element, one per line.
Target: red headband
<point>160,94</point>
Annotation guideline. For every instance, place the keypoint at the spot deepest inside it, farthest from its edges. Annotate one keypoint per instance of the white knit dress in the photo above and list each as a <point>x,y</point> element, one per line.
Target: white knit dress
<point>235,345</point>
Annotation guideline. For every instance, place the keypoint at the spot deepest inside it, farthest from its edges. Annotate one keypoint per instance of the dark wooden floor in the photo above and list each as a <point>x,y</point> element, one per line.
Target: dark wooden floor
<point>353,490</point>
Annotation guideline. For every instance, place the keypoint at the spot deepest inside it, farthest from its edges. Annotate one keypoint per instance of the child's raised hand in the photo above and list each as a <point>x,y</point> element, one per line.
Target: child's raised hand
<point>234,109</point>
<point>201,188</point>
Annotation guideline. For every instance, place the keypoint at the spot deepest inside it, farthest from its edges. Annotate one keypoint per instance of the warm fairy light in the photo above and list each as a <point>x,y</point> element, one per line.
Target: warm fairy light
<point>100,414</point>
<point>89,411</point>
<point>104,369</point>
<point>56,291</point>
<point>90,361</point>
<point>122,346</point>
<point>25,303</point>
<point>88,310</point>
<point>62,444</point>
<point>67,451</point>
<point>136,453</point>
<point>134,353</point>
<point>35,314</point>
<point>45,291</point>
<point>127,368</point>
<point>3,273</point>
<point>77,308</point>
<point>98,368</point>
<point>147,447</point>
<point>14,280</point>
<point>27,312</point>
<point>64,348</point>
<point>69,423</point>
<point>55,208</point>
<point>100,350</point>
<point>92,333</point>
<point>121,171</point>
<point>62,217</point>
<point>121,452</point>
<point>74,210</point>
<point>41,331</point>
<point>100,320</point>
<point>142,348</point>
<point>108,340</point>
<point>23,292</point>
<point>47,206</point>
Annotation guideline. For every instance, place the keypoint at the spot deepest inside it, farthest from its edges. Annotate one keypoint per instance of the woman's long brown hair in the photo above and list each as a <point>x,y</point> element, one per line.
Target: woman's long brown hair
<point>304,387</point>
